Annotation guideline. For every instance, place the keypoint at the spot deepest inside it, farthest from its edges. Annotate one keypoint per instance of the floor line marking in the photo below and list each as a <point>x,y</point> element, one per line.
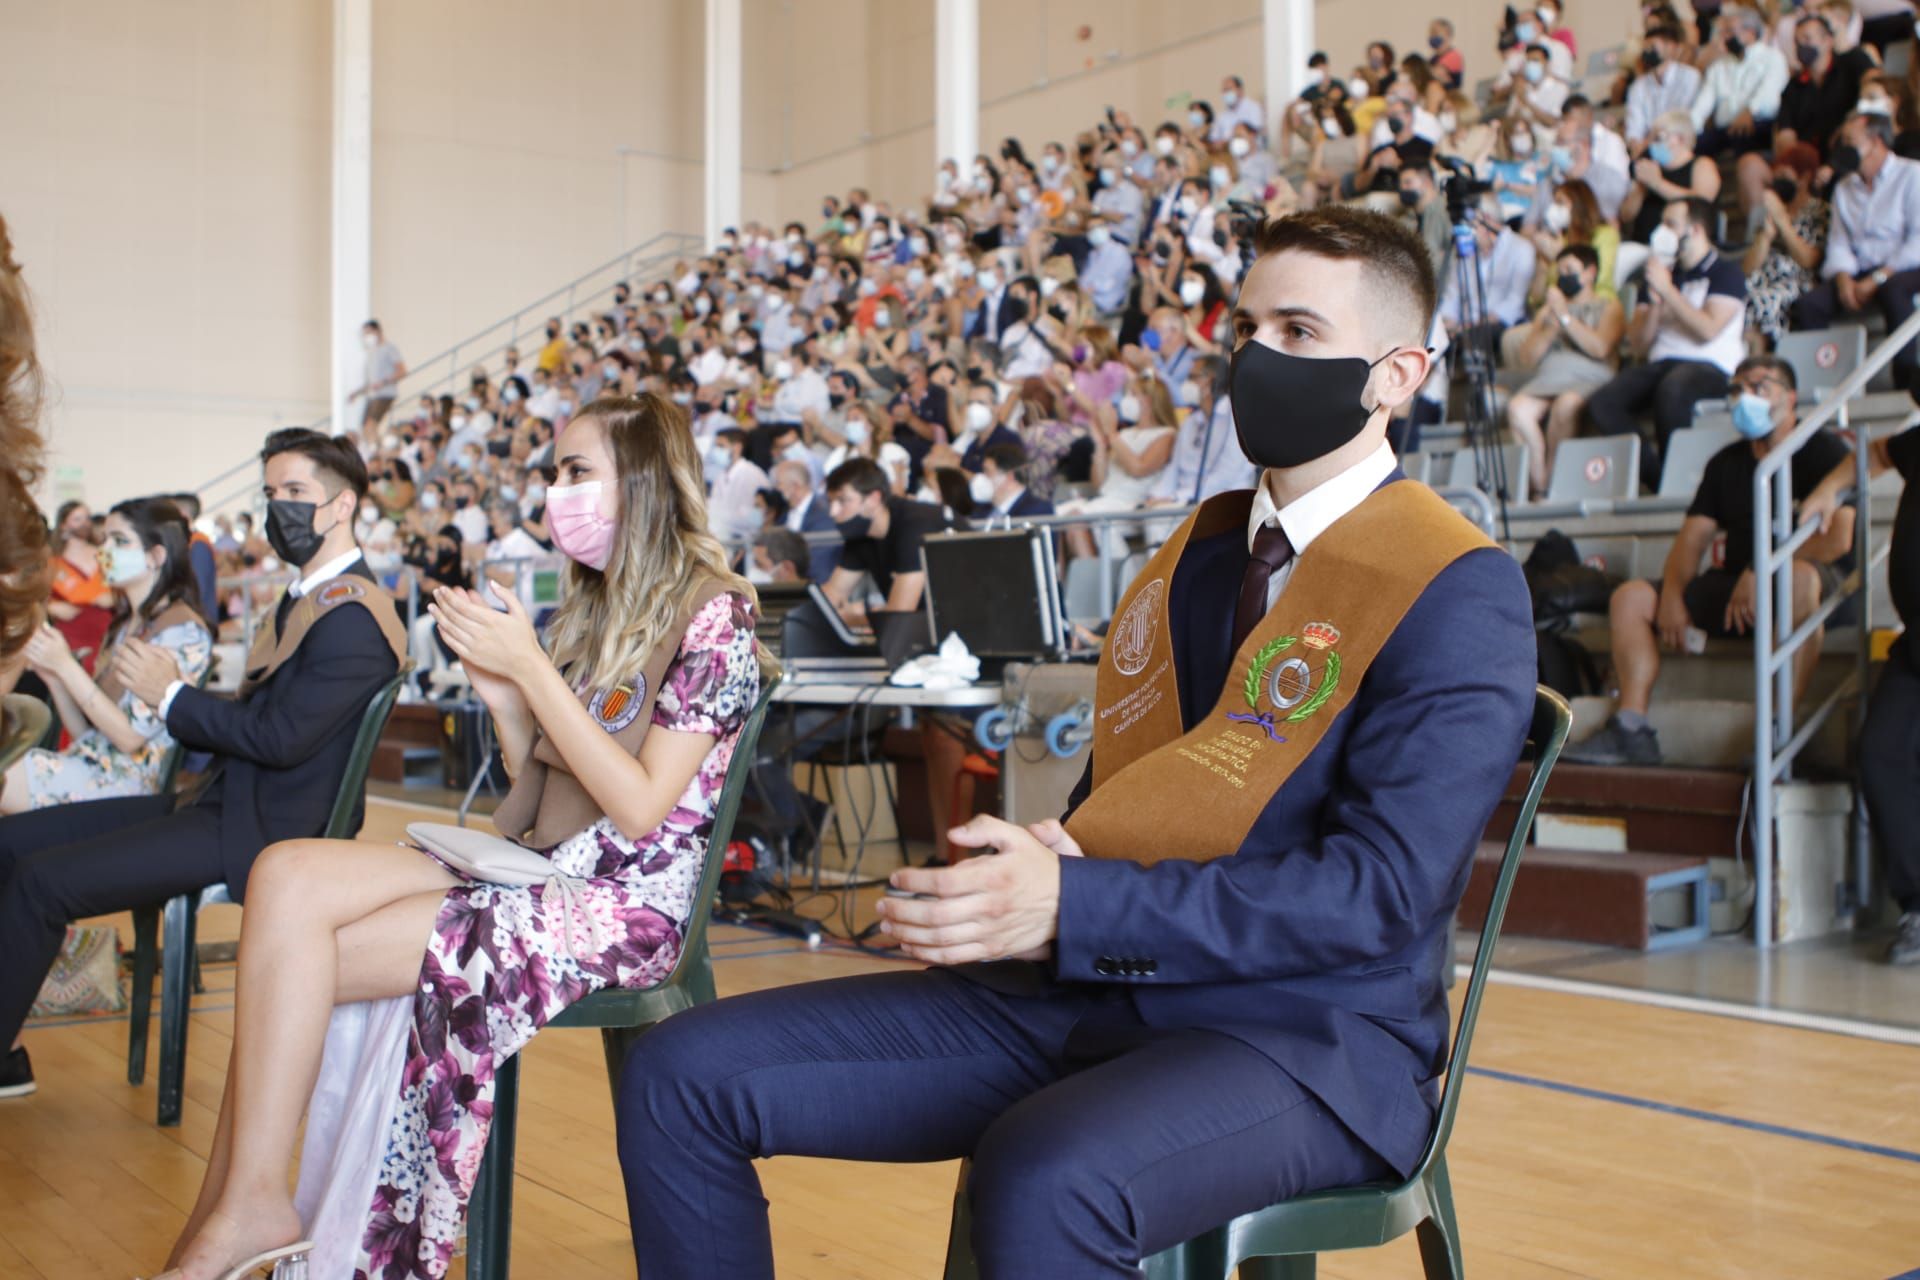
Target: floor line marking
<point>1697,1004</point>
<point>1695,1113</point>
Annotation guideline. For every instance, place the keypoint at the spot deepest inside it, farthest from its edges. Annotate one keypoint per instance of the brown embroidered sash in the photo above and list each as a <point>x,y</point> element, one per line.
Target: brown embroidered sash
<point>546,803</point>
<point>272,646</point>
<point>1163,792</point>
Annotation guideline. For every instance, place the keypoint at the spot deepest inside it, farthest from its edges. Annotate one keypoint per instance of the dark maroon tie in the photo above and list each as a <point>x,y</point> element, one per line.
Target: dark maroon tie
<point>1270,550</point>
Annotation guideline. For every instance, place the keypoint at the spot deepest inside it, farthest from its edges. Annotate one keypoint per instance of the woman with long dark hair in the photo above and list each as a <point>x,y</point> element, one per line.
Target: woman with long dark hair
<point>618,734</point>
<point>119,742</point>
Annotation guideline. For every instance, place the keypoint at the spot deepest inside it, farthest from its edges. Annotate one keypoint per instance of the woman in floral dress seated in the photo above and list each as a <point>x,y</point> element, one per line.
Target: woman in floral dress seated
<point>120,744</point>
<point>619,743</point>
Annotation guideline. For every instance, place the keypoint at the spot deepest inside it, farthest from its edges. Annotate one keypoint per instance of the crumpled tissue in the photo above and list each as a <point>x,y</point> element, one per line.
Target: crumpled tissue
<point>953,667</point>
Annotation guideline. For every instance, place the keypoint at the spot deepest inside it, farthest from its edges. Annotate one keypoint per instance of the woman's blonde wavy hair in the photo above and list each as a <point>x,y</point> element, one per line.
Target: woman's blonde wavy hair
<point>611,620</point>
<point>23,530</point>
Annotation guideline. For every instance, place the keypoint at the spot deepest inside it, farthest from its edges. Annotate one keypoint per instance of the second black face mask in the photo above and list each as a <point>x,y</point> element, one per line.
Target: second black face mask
<point>1289,410</point>
<point>290,531</point>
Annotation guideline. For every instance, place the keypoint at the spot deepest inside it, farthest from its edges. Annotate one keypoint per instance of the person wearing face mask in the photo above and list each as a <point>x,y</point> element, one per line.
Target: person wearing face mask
<point>982,427</point>
<point>1586,150</point>
<point>880,536</point>
<point>1207,458</point>
<point>1873,242</point>
<point>1445,58</point>
<point>1420,196</point>
<point>118,745</point>
<point>1515,169</point>
<point>1646,617</point>
<point>1561,356</point>
<point>617,743</point>
<point>1667,82</point>
<point>807,514</point>
<point>1574,218</point>
<point>997,489</point>
<point>1670,170</point>
<point>1120,201</point>
<point>778,556</point>
<point>1542,94</point>
<point>1404,134</point>
<point>1231,941</point>
<point>730,510</point>
<point>279,747</point>
<point>1236,109</point>
<point>1254,165</point>
<point>1740,94</point>
<point>380,372</point>
<point>1688,333</point>
<point>1505,263</point>
<point>1783,261</point>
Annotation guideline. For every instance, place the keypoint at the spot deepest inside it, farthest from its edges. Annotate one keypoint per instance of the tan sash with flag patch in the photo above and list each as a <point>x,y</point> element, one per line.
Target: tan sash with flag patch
<point>273,646</point>
<point>1163,792</point>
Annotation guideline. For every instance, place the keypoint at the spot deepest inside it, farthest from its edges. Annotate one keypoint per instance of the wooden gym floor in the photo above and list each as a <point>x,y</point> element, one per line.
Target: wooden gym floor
<point>1598,1137</point>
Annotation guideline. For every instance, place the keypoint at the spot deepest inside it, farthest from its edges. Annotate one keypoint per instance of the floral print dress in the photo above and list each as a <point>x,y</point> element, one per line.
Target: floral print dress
<point>92,768</point>
<point>502,962</point>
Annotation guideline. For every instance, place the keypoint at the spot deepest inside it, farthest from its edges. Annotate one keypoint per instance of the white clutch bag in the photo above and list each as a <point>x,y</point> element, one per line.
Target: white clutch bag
<point>480,856</point>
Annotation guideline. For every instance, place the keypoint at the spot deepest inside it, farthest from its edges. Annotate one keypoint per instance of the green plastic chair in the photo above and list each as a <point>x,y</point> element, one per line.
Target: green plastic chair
<point>622,1016</point>
<point>23,722</point>
<point>182,912</point>
<point>1282,1242</point>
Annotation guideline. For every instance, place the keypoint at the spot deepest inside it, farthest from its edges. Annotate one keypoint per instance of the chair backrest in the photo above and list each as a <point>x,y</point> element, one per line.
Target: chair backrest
<point>1604,62</point>
<point>23,722</point>
<point>1595,467</point>
<point>1548,733</point>
<point>1614,555</point>
<point>353,783</point>
<point>1688,450</point>
<point>1465,471</point>
<point>1823,358</point>
<point>739,770</point>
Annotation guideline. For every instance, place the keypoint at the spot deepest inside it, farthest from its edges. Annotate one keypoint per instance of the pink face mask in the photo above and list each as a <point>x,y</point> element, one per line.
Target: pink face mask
<point>578,528</point>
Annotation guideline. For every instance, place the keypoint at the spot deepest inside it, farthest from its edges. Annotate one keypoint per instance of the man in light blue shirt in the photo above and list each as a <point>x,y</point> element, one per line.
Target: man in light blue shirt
<point>1873,244</point>
<point>1207,458</point>
<point>1506,271</point>
<point>1667,82</point>
<point>1107,275</point>
<point>1120,200</point>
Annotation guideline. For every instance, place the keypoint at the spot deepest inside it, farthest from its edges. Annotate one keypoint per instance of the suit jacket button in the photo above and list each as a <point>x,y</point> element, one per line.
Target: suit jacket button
<point>1105,966</point>
<point>1150,967</point>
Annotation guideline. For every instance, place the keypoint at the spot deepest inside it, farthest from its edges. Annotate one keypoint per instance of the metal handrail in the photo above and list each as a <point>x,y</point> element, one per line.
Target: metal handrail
<point>1775,540</point>
<point>673,244</point>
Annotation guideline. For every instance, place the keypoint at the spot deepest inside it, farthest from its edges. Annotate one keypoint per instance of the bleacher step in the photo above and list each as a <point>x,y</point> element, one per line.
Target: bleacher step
<point>1693,813</point>
<point>1610,899</point>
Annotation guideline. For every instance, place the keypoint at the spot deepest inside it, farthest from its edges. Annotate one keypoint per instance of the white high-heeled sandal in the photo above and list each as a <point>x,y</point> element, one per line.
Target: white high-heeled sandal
<point>289,1263</point>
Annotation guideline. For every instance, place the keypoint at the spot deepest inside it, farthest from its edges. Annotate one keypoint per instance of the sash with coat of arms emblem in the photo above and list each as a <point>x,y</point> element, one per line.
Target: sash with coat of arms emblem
<point>1161,791</point>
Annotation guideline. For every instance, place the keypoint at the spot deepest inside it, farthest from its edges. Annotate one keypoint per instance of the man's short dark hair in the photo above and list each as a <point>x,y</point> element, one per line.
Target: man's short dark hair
<point>731,434</point>
<point>1700,212</point>
<point>784,544</point>
<point>1665,31</point>
<point>1424,170</point>
<point>1585,254</point>
<point>1391,253</point>
<point>1576,102</point>
<point>1819,18</point>
<point>373,325</point>
<point>1878,125</point>
<point>1772,364</point>
<point>862,475</point>
<point>1007,456</point>
<point>774,501</point>
<point>332,456</point>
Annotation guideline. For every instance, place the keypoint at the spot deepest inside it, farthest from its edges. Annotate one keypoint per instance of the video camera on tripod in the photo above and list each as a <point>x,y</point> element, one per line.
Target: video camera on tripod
<point>1474,338</point>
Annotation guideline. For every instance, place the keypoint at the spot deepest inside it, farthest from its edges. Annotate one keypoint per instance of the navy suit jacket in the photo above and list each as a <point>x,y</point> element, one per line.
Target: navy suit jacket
<point>822,558</point>
<point>279,754</point>
<point>1322,941</point>
<point>1029,503</point>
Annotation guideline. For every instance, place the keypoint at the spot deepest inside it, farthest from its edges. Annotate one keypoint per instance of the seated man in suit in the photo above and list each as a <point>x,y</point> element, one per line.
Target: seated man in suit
<point>1000,488</point>
<point>279,749</point>
<point>1219,984</point>
<point>807,513</point>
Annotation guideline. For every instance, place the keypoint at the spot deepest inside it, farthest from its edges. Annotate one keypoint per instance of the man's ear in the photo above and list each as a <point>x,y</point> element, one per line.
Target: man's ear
<point>1399,377</point>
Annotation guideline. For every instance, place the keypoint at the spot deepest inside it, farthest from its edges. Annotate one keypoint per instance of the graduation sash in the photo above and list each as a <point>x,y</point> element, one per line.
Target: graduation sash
<point>546,803</point>
<point>272,645</point>
<point>1161,791</point>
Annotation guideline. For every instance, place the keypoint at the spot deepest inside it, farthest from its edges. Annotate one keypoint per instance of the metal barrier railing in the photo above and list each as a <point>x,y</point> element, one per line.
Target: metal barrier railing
<point>488,344</point>
<point>1776,540</point>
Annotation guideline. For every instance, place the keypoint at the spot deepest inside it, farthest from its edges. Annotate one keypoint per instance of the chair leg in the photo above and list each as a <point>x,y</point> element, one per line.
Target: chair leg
<point>1439,1235</point>
<point>615,1044</point>
<point>146,942</point>
<point>176,1004</point>
<point>1294,1266</point>
<point>960,1260</point>
<point>490,1211</point>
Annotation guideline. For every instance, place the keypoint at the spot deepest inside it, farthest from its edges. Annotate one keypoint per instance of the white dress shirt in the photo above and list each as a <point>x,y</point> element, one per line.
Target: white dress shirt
<point>1671,87</point>
<point>331,569</point>
<point>1753,83</point>
<point>1315,511</point>
<point>731,514</point>
<point>1875,225</point>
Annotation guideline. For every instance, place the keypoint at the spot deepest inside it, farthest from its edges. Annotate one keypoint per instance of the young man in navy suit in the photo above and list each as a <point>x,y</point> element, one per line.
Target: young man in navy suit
<point>279,749</point>
<point>1219,983</point>
<point>1001,466</point>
